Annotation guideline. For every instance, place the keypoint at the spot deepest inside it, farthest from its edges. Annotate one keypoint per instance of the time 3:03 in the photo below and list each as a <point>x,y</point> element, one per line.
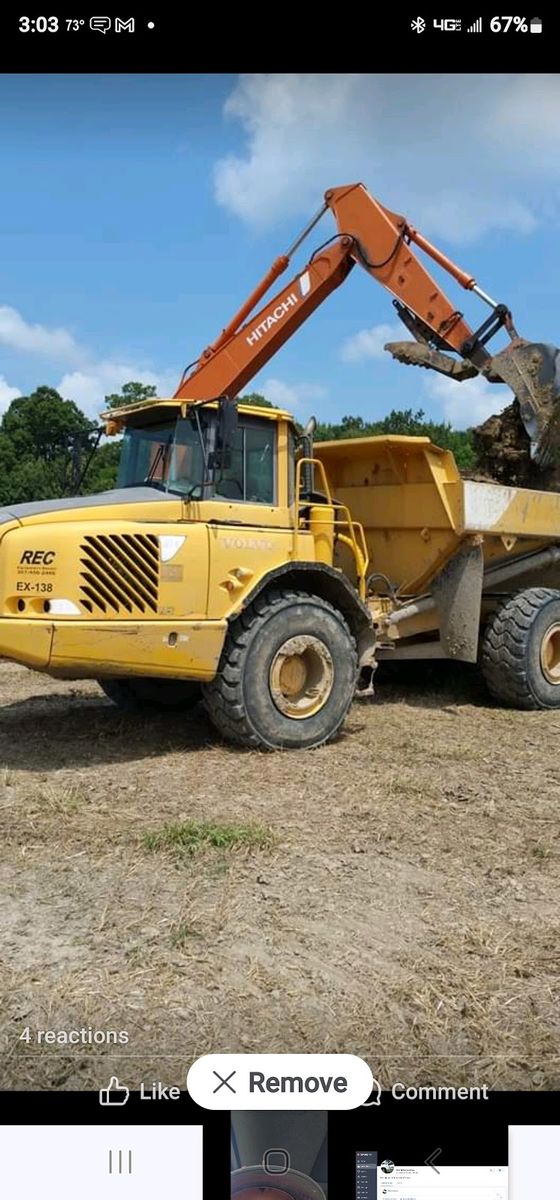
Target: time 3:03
<point>38,24</point>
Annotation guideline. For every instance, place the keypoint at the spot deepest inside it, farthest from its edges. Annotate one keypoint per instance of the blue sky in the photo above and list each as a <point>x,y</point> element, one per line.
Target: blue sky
<point>137,212</point>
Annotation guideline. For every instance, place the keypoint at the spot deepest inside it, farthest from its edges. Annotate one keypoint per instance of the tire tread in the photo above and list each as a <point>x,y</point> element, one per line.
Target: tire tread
<point>505,647</point>
<point>223,696</point>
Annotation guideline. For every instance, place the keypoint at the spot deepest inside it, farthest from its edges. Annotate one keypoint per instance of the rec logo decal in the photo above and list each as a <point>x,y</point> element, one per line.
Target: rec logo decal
<point>35,558</point>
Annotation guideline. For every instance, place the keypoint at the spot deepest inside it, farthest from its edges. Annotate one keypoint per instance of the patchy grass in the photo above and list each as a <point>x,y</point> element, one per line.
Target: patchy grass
<point>189,837</point>
<point>541,851</point>
<point>64,799</point>
<point>182,934</point>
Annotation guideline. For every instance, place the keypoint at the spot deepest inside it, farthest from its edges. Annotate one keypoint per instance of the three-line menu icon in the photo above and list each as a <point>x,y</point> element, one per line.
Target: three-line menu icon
<point>120,1162</point>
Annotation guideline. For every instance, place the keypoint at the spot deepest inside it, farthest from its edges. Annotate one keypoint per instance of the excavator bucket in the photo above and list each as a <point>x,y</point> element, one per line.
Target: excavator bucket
<point>532,371</point>
<point>419,354</point>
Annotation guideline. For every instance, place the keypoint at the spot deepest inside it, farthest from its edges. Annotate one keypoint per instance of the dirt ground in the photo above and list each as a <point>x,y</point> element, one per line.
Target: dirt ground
<point>403,903</point>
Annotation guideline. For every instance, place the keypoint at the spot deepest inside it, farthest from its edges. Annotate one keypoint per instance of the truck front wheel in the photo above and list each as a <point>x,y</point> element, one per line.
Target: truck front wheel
<point>521,650</point>
<point>287,674</point>
<point>144,694</point>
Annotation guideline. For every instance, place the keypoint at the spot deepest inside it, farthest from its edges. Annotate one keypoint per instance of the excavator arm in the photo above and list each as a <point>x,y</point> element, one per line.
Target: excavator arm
<point>239,353</point>
<point>381,242</point>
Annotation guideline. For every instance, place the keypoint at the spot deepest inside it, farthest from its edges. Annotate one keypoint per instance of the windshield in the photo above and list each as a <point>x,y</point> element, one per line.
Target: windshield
<point>167,456</point>
<point>170,456</point>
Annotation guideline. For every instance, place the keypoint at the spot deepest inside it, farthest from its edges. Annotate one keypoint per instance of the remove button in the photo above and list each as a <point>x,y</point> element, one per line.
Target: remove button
<point>280,1081</point>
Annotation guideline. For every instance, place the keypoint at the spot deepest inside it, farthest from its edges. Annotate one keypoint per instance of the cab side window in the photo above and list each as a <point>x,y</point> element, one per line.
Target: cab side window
<point>230,481</point>
<point>250,471</point>
<point>259,462</point>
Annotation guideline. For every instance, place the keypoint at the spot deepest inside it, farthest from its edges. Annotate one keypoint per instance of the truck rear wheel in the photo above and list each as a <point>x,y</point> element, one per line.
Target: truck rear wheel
<point>521,650</point>
<point>140,695</point>
<point>287,675</point>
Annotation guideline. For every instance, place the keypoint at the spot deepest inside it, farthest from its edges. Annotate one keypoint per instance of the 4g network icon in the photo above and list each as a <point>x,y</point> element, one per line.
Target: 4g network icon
<point>444,24</point>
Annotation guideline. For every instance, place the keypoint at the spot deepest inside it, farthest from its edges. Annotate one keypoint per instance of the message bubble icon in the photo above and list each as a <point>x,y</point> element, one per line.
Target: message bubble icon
<point>100,24</point>
<point>375,1094</point>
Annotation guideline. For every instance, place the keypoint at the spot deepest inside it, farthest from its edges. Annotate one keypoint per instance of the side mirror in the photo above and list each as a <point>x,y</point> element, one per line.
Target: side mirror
<point>307,448</point>
<point>227,428</point>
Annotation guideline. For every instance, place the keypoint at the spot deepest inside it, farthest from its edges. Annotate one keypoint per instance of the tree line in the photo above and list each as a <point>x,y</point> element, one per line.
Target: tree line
<point>412,424</point>
<point>49,448</point>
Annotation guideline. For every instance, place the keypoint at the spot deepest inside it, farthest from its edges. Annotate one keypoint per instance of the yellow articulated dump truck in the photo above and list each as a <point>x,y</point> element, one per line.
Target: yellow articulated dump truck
<point>236,562</point>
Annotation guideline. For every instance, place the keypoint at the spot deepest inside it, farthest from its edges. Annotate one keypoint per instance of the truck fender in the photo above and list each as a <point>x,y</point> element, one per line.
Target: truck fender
<point>332,585</point>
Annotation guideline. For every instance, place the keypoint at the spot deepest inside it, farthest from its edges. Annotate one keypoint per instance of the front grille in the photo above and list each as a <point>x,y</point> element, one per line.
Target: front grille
<point>120,573</point>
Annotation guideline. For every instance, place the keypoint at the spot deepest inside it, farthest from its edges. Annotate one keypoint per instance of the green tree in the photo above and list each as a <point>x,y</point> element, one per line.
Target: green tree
<point>40,425</point>
<point>256,400</point>
<point>30,480</point>
<point>131,393</point>
<point>43,440</point>
<point>410,424</point>
<point>103,470</point>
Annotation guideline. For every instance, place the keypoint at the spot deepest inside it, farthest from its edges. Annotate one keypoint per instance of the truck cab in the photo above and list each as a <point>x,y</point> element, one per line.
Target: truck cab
<point>193,452</point>
<point>143,587</point>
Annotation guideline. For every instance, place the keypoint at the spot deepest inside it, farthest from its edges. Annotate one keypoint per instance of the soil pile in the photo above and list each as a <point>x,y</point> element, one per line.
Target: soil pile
<point>503,452</point>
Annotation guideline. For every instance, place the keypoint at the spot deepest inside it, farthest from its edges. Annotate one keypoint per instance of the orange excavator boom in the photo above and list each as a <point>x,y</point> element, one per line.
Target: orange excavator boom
<point>381,242</point>
<point>368,234</point>
<point>235,358</point>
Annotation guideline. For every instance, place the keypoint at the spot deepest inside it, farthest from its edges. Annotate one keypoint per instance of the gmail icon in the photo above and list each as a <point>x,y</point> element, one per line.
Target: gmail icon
<point>124,25</point>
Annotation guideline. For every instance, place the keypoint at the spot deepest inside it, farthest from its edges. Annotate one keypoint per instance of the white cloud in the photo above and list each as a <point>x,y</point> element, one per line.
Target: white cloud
<point>467,403</point>
<point>465,218</point>
<point>525,120</point>
<point>89,386</point>
<point>286,395</point>
<point>290,122</point>
<point>89,380</point>
<point>462,404</point>
<point>7,394</point>
<point>370,343</point>
<point>18,334</point>
<point>461,155</point>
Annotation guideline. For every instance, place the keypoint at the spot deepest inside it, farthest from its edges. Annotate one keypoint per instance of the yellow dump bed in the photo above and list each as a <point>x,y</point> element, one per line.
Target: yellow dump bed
<point>416,508</point>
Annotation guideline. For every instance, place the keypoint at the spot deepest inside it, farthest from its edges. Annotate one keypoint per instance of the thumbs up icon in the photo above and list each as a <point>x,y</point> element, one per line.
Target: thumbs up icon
<point>116,1093</point>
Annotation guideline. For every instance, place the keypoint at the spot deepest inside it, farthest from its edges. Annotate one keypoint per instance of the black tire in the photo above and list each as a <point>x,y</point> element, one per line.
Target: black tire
<point>520,647</point>
<point>240,700</point>
<point>144,694</point>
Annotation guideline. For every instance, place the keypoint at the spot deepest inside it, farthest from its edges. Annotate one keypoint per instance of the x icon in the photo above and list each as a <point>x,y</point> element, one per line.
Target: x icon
<point>223,1081</point>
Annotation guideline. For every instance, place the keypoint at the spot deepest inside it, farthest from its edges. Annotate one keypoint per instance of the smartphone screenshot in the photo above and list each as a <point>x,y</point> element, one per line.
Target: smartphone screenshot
<point>279,603</point>
<point>435,1147</point>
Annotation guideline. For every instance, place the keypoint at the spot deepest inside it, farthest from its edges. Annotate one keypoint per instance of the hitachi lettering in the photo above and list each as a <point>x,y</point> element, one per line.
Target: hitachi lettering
<point>36,557</point>
<point>277,315</point>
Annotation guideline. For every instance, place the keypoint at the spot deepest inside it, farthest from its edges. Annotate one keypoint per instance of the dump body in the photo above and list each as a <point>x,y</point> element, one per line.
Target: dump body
<point>416,508</point>
<point>423,523</point>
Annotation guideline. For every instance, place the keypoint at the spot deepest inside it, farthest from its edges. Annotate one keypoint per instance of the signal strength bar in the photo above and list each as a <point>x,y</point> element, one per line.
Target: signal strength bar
<point>476,26</point>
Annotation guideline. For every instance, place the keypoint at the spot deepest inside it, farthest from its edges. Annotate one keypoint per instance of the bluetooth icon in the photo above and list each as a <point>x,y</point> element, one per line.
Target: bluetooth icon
<point>418,25</point>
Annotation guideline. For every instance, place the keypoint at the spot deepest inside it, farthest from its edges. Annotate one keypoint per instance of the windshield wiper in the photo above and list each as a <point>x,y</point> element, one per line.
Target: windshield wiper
<point>160,454</point>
